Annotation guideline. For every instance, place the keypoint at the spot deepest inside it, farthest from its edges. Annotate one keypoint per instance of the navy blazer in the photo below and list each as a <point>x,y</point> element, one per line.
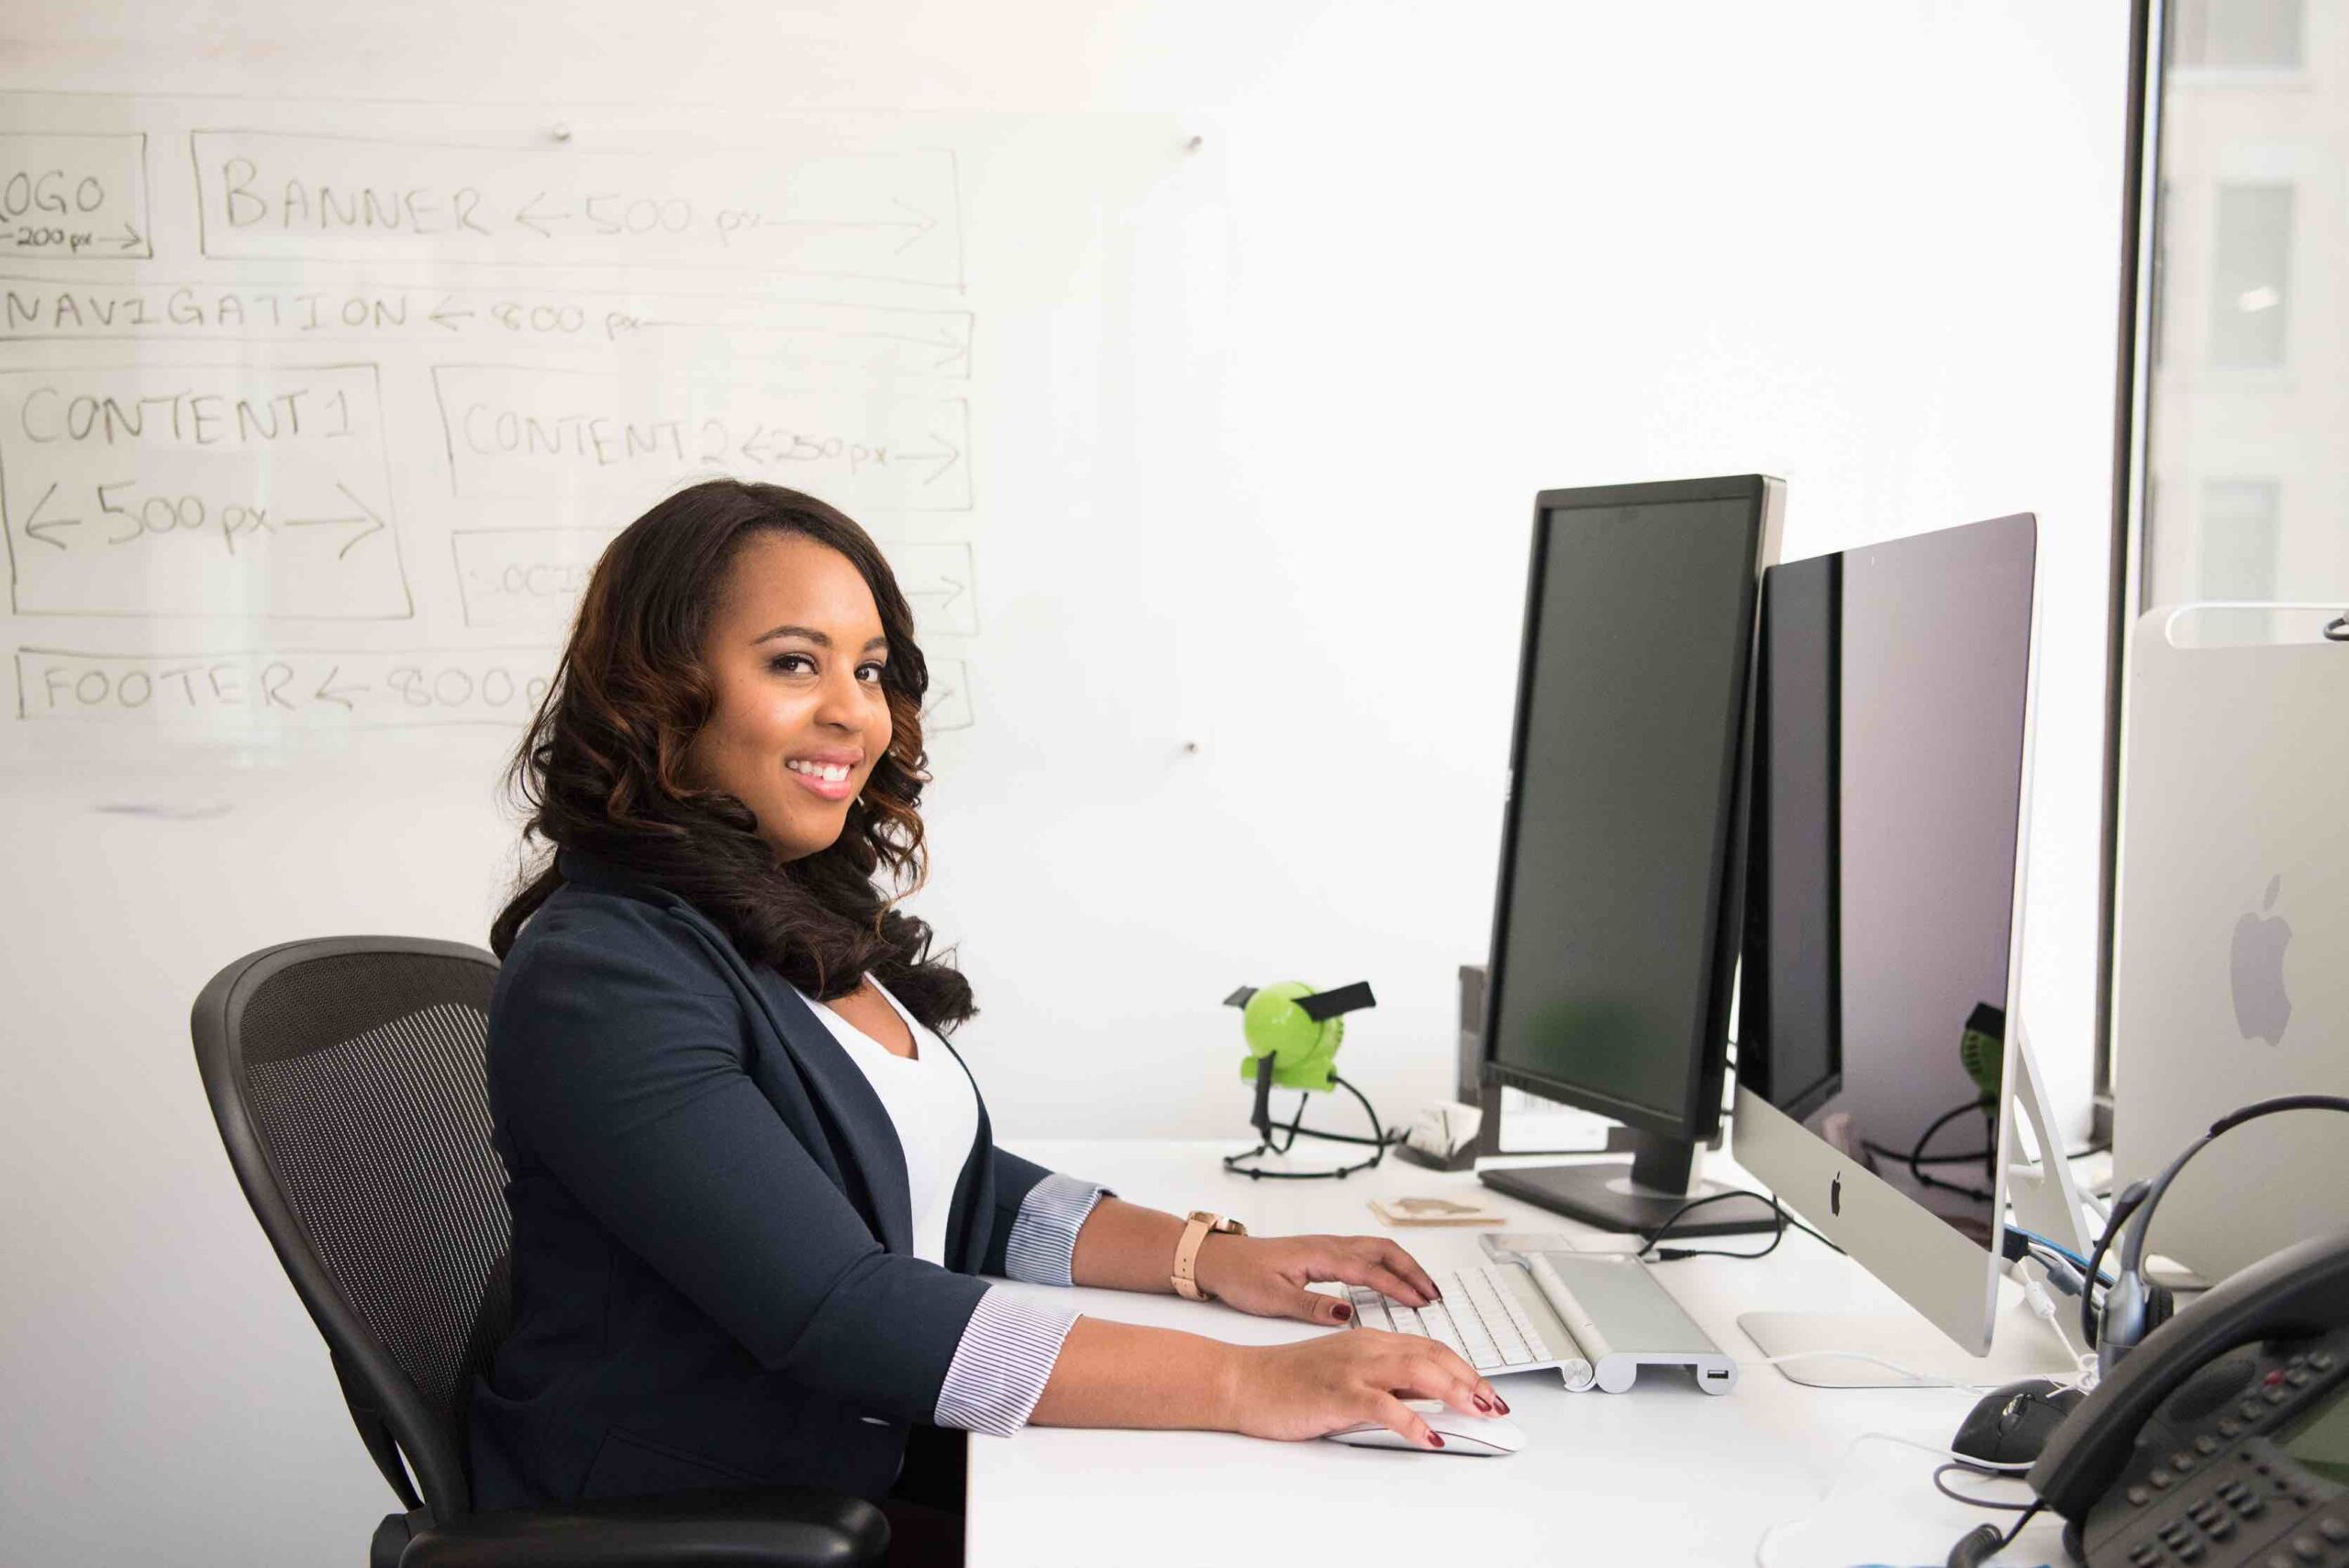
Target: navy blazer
<point>714,1278</point>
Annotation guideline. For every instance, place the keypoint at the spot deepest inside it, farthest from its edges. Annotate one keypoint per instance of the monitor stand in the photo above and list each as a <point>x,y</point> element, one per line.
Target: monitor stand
<point>1639,1196</point>
<point>1861,1350</point>
<point>2043,1200</point>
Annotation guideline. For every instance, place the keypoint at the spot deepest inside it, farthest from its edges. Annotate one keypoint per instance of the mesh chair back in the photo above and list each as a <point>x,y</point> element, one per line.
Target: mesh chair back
<point>347,1074</point>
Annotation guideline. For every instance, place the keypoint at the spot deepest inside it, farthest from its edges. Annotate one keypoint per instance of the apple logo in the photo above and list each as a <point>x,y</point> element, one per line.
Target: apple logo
<point>2262,1009</point>
<point>1835,1195</point>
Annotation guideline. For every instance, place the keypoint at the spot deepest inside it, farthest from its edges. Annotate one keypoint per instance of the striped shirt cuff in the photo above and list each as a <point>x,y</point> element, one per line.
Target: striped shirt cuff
<point>1042,1248</point>
<point>1000,1367</point>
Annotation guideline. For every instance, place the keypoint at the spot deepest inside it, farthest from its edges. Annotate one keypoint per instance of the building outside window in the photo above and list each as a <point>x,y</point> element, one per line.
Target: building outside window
<point>2246,488</point>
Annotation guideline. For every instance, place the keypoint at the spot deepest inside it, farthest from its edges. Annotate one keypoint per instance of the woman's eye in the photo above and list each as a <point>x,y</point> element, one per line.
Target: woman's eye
<point>784,664</point>
<point>872,673</point>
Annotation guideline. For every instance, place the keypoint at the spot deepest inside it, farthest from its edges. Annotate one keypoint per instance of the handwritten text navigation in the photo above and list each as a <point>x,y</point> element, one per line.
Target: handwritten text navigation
<point>790,334</point>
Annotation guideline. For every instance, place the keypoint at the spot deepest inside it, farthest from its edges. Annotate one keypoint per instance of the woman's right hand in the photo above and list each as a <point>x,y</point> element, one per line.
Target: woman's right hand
<point>1315,1387</point>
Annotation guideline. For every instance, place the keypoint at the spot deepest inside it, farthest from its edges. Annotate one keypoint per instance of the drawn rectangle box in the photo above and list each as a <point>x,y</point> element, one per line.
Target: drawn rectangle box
<point>820,211</point>
<point>939,581</point>
<point>74,197</point>
<point>524,578</point>
<point>530,432</point>
<point>205,491</point>
<point>946,705</point>
<point>241,692</point>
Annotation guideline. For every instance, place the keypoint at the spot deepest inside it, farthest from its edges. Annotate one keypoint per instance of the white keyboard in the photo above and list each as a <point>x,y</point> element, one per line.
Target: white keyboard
<point>1492,1316</point>
<point>1598,1317</point>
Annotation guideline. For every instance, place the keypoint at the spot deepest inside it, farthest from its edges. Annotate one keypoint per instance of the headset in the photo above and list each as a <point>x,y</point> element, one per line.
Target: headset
<point>2134,1306</point>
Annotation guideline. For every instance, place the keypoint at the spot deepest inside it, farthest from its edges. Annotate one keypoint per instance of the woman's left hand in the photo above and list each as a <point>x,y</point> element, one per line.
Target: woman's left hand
<point>1267,1274</point>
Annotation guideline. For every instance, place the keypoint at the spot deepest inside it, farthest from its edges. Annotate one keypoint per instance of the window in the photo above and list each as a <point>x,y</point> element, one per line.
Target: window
<point>2251,253</point>
<point>2259,35</point>
<point>2236,538</point>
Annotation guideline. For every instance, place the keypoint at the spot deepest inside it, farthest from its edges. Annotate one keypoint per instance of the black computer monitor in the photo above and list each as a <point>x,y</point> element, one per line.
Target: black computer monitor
<point>1615,921</point>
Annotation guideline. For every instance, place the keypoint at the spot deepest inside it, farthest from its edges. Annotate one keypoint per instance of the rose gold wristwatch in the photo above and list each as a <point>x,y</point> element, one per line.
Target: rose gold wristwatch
<point>1187,1251</point>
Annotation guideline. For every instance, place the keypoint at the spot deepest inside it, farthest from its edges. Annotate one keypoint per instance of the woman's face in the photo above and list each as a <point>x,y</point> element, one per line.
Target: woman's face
<point>795,653</point>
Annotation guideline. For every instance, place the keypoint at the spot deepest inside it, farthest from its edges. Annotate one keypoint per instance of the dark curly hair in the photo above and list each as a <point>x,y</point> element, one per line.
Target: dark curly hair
<point>602,768</point>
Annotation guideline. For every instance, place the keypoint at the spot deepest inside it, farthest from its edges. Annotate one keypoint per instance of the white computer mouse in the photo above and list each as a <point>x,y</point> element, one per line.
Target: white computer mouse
<point>1487,1436</point>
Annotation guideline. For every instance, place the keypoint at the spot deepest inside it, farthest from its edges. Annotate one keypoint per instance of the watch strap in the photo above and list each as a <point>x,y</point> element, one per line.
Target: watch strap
<point>1201,1225</point>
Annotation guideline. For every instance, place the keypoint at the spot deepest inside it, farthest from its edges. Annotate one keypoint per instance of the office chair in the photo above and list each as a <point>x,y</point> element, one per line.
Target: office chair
<point>346,1073</point>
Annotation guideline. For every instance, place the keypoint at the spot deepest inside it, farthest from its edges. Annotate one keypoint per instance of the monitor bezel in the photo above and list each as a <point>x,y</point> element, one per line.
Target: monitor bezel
<point>1697,1116</point>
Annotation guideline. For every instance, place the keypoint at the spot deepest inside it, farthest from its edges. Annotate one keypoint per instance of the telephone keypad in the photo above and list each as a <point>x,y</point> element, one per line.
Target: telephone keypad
<point>2209,1489</point>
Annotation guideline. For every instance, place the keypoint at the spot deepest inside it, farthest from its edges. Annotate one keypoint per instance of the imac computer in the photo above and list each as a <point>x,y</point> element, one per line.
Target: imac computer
<point>2232,916</point>
<point>1615,920</point>
<point>1878,1040</point>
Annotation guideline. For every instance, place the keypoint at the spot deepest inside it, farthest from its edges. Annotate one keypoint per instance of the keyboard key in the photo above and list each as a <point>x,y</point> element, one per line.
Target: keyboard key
<point>1438,1321</point>
<point>1508,1344</point>
<point>1482,1352</point>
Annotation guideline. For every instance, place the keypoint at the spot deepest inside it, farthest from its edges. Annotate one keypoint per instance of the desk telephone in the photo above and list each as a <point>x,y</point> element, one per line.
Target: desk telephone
<point>2225,1438</point>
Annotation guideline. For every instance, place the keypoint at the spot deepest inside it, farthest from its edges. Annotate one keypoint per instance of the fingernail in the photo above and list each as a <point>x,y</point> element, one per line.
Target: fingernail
<point>1482,1404</point>
<point>1342,1311</point>
<point>1502,1403</point>
<point>1436,1438</point>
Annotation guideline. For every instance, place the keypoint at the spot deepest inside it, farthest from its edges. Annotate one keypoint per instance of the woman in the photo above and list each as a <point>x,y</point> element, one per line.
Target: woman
<point>753,1187</point>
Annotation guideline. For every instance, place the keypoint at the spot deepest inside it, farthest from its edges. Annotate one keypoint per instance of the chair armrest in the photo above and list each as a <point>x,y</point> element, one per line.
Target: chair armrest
<point>779,1527</point>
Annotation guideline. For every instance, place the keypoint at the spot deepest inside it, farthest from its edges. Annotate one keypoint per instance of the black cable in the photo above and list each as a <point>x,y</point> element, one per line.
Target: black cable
<point>1943,1488</point>
<point>1778,1212</point>
<point>1916,1159</point>
<point>2122,1208</point>
<point>1809,1231</point>
<point>1653,1237</point>
<point>1983,1542</point>
<point>1777,1235</point>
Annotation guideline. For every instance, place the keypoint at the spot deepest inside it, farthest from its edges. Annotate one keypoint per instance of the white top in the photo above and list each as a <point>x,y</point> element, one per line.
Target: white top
<point>932,1104</point>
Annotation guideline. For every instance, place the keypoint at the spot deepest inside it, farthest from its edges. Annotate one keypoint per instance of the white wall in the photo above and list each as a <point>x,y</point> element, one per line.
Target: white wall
<point>1470,253</point>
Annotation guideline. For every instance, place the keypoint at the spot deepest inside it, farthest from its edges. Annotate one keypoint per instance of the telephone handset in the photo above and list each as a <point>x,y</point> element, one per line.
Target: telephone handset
<point>2224,1436</point>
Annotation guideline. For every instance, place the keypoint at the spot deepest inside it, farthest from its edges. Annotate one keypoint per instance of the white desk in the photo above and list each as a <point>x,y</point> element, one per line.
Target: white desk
<point>1662,1475</point>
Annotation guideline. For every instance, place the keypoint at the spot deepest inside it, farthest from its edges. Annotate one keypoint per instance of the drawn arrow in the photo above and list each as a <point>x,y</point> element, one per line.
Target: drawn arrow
<point>928,223</point>
<point>442,314</point>
<point>328,692</point>
<point>130,239</point>
<point>375,524</point>
<point>945,596</point>
<point>950,456</point>
<point>34,527</point>
<point>529,219</point>
<point>922,223</point>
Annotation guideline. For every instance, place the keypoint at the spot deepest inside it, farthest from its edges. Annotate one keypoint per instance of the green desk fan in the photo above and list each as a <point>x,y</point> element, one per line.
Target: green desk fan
<point>1293,1033</point>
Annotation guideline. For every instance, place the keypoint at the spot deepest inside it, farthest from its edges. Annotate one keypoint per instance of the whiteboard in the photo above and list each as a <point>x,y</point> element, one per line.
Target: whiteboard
<point>315,417</point>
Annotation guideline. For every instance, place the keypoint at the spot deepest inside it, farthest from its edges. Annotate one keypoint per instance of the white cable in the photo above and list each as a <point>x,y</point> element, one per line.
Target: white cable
<point>1761,1547</point>
<point>2031,1274</point>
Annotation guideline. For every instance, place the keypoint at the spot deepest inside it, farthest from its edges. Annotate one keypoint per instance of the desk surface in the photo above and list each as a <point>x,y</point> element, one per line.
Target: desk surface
<point>1662,1475</point>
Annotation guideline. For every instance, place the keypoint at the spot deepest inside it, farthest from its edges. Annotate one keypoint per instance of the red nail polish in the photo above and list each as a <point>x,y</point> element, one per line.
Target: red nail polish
<point>1502,1403</point>
<point>1342,1311</point>
<point>1436,1438</point>
<point>1481,1405</point>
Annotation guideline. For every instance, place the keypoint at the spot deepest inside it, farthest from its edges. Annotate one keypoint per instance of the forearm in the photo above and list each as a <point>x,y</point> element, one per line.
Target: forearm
<point>1124,1246</point>
<point>1123,1374</point>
